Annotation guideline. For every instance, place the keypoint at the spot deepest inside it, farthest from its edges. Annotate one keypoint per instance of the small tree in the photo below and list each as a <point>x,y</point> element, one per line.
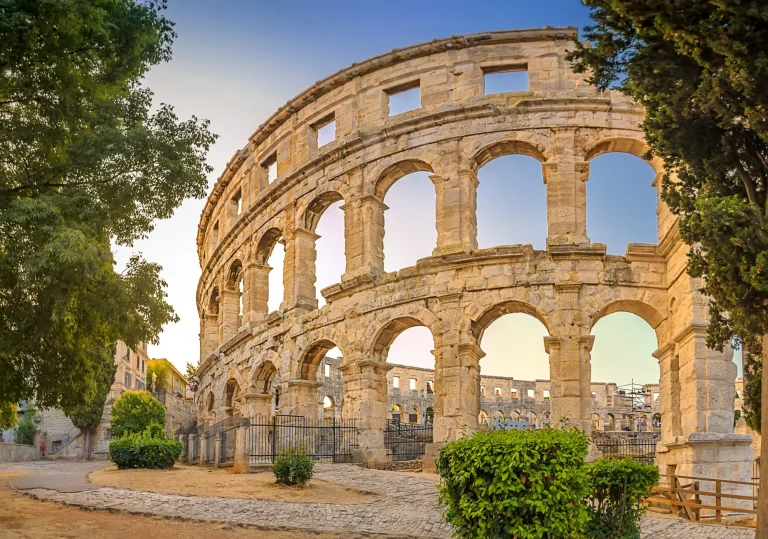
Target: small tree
<point>157,376</point>
<point>134,412</point>
<point>27,427</point>
<point>8,415</point>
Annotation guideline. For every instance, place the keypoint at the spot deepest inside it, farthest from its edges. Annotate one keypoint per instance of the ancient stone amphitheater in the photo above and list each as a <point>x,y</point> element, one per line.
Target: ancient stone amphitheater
<point>457,292</point>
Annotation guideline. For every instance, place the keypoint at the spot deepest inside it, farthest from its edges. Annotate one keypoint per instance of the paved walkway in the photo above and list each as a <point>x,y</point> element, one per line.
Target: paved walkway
<point>407,505</point>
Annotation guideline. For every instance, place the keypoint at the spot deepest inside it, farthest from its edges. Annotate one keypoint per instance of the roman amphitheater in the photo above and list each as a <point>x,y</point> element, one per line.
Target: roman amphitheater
<point>277,187</point>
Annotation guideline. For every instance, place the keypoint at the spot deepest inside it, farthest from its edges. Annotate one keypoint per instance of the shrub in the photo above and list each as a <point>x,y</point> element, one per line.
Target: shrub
<point>293,467</point>
<point>134,411</point>
<point>618,487</point>
<point>144,451</point>
<point>522,484</point>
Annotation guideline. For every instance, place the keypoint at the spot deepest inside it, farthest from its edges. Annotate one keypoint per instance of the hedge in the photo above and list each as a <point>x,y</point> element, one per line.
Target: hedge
<point>516,484</point>
<point>144,451</point>
<point>134,412</point>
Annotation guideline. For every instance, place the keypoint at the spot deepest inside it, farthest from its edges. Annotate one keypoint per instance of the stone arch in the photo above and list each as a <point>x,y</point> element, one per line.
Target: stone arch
<point>643,309</point>
<point>317,207</point>
<point>235,273</point>
<point>231,394</point>
<point>266,244</point>
<point>394,172</point>
<point>417,412</point>
<point>312,356</point>
<point>595,421</point>
<point>482,418</point>
<point>387,334</point>
<point>478,325</point>
<point>621,144</point>
<point>506,147</point>
<point>213,301</point>
<point>610,421</point>
<point>264,377</point>
<point>210,406</point>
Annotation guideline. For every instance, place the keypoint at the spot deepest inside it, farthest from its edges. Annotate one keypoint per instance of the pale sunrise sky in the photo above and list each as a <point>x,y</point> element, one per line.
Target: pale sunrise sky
<point>236,62</point>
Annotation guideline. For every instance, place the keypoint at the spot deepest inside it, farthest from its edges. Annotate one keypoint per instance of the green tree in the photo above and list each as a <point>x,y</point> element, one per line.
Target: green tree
<point>87,417</point>
<point>157,376</point>
<point>86,159</point>
<point>27,428</point>
<point>9,415</point>
<point>134,412</point>
<point>700,69</point>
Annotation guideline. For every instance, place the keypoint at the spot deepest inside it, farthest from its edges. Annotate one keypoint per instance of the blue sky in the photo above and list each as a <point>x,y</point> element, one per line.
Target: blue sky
<point>236,62</point>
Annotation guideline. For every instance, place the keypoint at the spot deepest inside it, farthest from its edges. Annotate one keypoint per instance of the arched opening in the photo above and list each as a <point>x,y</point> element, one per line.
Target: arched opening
<point>231,398</point>
<point>209,407</point>
<point>621,202</point>
<point>429,416</point>
<point>213,302</point>
<point>329,408</point>
<point>410,221</point>
<point>265,378</point>
<point>610,422</point>
<point>596,422</point>
<point>414,416</point>
<point>623,367</point>
<point>511,203</point>
<point>396,413</point>
<point>533,419</point>
<point>235,286</point>
<point>483,420</point>
<point>325,218</point>
<point>270,258</point>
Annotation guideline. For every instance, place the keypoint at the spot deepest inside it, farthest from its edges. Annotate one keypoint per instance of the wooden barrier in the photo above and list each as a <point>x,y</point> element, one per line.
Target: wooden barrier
<point>683,495</point>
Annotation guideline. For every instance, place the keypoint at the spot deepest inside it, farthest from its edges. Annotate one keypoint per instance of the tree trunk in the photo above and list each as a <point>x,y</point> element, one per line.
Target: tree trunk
<point>762,501</point>
<point>87,445</point>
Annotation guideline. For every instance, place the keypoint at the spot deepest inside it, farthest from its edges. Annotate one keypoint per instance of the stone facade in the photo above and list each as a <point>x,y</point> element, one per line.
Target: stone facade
<point>460,290</point>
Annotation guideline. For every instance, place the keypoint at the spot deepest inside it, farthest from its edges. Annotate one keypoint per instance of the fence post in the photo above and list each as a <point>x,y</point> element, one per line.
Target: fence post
<point>217,450</point>
<point>671,469</point>
<point>203,447</point>
<point>333,430</point>
<point>718,490</point>
<point>242,454</point>
<point>183,457</point>
<point>274,438</point>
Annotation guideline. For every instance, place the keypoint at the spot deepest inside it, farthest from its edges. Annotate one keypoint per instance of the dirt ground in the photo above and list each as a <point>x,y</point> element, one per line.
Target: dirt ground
<point>22,517</point>
<point>431,476</point>
<point>212,483</point>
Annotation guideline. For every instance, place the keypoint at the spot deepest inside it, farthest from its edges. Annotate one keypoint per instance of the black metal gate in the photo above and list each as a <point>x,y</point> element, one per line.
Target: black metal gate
<point>640,449</point>
<point>328,440</point>
<point>406,441</point>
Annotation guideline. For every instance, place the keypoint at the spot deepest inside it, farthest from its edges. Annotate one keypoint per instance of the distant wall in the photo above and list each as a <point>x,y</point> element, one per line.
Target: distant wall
<point>178,413</point>
<point>17,453</point>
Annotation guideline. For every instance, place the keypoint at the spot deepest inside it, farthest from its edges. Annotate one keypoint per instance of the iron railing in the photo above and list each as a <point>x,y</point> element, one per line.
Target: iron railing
<point>638,448</point>
<point>331,439</point>
<point>406,441</point>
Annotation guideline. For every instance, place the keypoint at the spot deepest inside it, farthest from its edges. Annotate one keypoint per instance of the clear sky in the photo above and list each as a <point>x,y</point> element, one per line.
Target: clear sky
<point>236,62</point>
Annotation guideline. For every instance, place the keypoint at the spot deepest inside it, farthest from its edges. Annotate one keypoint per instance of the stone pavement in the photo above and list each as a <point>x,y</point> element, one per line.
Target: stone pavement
<point>407,505</point>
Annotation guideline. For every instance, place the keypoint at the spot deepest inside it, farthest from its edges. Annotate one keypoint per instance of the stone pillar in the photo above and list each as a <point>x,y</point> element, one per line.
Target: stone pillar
<point>456,212</point>
<point>242,456</point>
<point>217,450</point>
<point>669,392</point>
<point>230,307</point>
<point>191,439</point>
<point>201,441</point>
<point>300,398</point>
<point>364,237</point>
<point>257,292</point>
<point>211,334</point>
<point>299,272</point>
<point>365,401</point>
<point>457,391</point>
<point>258,404</point>
<point>565,175</point>
<point>182,458</point>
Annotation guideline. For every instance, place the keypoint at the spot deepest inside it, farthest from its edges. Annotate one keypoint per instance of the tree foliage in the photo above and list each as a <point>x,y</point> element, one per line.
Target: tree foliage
<point>86,159</point>
<point>700,69</point>
<point>88,416</point>
<point>9,415</point>
<point>157,376</point>
<point>134,412</point>
<point>27,428</point>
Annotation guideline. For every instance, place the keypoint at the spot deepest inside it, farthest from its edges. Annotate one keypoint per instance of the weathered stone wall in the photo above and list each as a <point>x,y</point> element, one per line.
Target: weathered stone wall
<point>460,290</point>
<point>18,452</point>
<point>178,413</point>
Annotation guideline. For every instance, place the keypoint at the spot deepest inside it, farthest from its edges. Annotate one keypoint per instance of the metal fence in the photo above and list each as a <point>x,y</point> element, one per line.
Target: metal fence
<point>406,441</point>
<point>194,448</point>
<point>331,440</point>
<point>639,448</point>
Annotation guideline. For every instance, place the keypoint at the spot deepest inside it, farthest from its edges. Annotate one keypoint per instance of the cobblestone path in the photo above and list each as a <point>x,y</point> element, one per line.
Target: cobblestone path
<point>407,506</point>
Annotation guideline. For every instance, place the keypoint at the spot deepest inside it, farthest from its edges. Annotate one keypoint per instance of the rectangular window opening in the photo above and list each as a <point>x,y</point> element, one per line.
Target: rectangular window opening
<point>530,393</point>
<point>505,79</point>
<point>546,394</point>
<point>497,391</point>
<point>429,386</point>
<point>237,202</point>
<point>325,130</point>
<point>514,392</point>
<point>396,382</point>
<point>327,370</point>
<point>270,166</point>
<point>412,383</point>
<point>404,98</point>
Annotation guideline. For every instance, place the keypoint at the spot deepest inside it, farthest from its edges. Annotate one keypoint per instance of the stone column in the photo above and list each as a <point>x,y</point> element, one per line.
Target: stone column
<point>191,439</point>
<point>258,404</point>
<point>201,441</point>
<point>299,272</point>
<point>669,391</point>
<point>457,391</point>
<point>300,398</point>
<point>258,291</point>
<point>242,456</point>
<point>365,401</point>
<point>565,175</point>
<point>211,334</point>
<point>230,306</point>
<point>364,237</point>
<point>456,212</point>
<point>217,450</point>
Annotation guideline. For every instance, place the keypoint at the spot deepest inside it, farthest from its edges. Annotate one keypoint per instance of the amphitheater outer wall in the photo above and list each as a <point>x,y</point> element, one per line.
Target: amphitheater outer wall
<point>458,291</point>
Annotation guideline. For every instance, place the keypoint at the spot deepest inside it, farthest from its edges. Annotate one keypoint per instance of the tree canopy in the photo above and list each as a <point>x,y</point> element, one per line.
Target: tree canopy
<point>86,159</point>
<point>134,412</point>
<point>700,69</point>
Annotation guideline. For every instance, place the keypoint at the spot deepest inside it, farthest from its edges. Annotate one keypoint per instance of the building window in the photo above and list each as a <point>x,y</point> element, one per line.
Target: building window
<point>546,394</point>
<point>505,79</point>
<point>270,167</point>
<point>237,203</point>
<point>530,393</point>
<point>482,391</point>
<point>594,395</point>
<point>396,382</point>
<point>127,380</point>
<point>128,357</point>
<point>412,383</point>
<point>656,396</point>
<point>429,387</point>
<point>497,391</point>
<point>514,392</point>
<point>404,98</point>
<point>325,130</point>
<point>327,367</point>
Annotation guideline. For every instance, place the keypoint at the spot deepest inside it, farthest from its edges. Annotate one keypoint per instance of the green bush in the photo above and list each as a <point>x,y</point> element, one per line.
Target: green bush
<point>144,451</point>
<point>618,487</point>
<point>293,467</point>
<point>134,411</point>
<point>521,484</point>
